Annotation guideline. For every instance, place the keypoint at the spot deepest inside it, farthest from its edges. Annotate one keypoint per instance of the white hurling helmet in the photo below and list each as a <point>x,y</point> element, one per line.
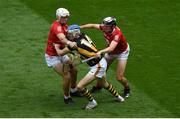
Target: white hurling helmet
<point>62,12</point>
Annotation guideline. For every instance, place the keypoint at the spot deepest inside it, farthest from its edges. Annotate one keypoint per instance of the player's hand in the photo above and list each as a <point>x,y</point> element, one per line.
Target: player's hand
<point>56,45</point>
<point>98,54</point>
<point>73,44</point>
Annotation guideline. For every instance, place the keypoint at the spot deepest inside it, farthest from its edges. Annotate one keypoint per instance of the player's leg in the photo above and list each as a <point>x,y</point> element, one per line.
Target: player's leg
<point>98,85</point>
<point>81,87</point>
<point>73,73</point>
<point>73,89</point>
<point>109,87</point>
<point>56,63</point>
<point>66,82</point>
<point>121,78</point>
<point>122,62</point>
<point>96,88</point>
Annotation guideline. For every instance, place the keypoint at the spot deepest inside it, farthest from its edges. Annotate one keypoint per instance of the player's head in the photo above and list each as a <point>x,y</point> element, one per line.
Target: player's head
<point>108,24</point>
<point>73,31</point>
<point>62,15</point>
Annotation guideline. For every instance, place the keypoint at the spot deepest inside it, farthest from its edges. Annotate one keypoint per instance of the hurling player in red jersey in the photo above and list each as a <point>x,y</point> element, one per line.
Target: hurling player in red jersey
<point>117,48</point>
<point>57,34</point>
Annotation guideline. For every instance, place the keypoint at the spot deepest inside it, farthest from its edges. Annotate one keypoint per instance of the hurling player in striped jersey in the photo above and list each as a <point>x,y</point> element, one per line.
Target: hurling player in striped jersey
<point>98,65</point>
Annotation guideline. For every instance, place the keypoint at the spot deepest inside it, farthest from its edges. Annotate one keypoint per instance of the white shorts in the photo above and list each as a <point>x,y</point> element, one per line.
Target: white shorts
<point>99,69</point>
<point>53,60</point>
<point>121,56</point>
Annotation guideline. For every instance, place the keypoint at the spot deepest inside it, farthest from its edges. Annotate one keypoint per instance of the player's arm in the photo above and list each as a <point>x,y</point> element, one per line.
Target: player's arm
<point>61,52</point>
<point>110,48</point>
<point>64,40</point>
<point>89,26</point>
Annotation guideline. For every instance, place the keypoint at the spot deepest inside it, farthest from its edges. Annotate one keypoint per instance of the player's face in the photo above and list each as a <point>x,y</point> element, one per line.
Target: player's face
<point>73,34</point>
<point>106,28</point>
<point>70,36</point>
<point>63,20</point>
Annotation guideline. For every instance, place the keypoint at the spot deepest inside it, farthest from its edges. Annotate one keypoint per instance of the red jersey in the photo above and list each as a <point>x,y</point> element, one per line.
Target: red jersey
<point>55,29</point>
<point>122,44</point>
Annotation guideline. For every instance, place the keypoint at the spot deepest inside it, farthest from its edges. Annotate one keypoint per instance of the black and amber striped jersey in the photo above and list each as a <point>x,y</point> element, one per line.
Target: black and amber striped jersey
<point>86,48</point>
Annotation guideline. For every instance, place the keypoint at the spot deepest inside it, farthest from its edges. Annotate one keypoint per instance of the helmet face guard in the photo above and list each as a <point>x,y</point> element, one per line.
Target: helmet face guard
<point>73,31</point>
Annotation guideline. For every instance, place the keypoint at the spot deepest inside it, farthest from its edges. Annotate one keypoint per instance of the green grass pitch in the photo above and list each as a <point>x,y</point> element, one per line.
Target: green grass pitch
<point>28,88</point>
